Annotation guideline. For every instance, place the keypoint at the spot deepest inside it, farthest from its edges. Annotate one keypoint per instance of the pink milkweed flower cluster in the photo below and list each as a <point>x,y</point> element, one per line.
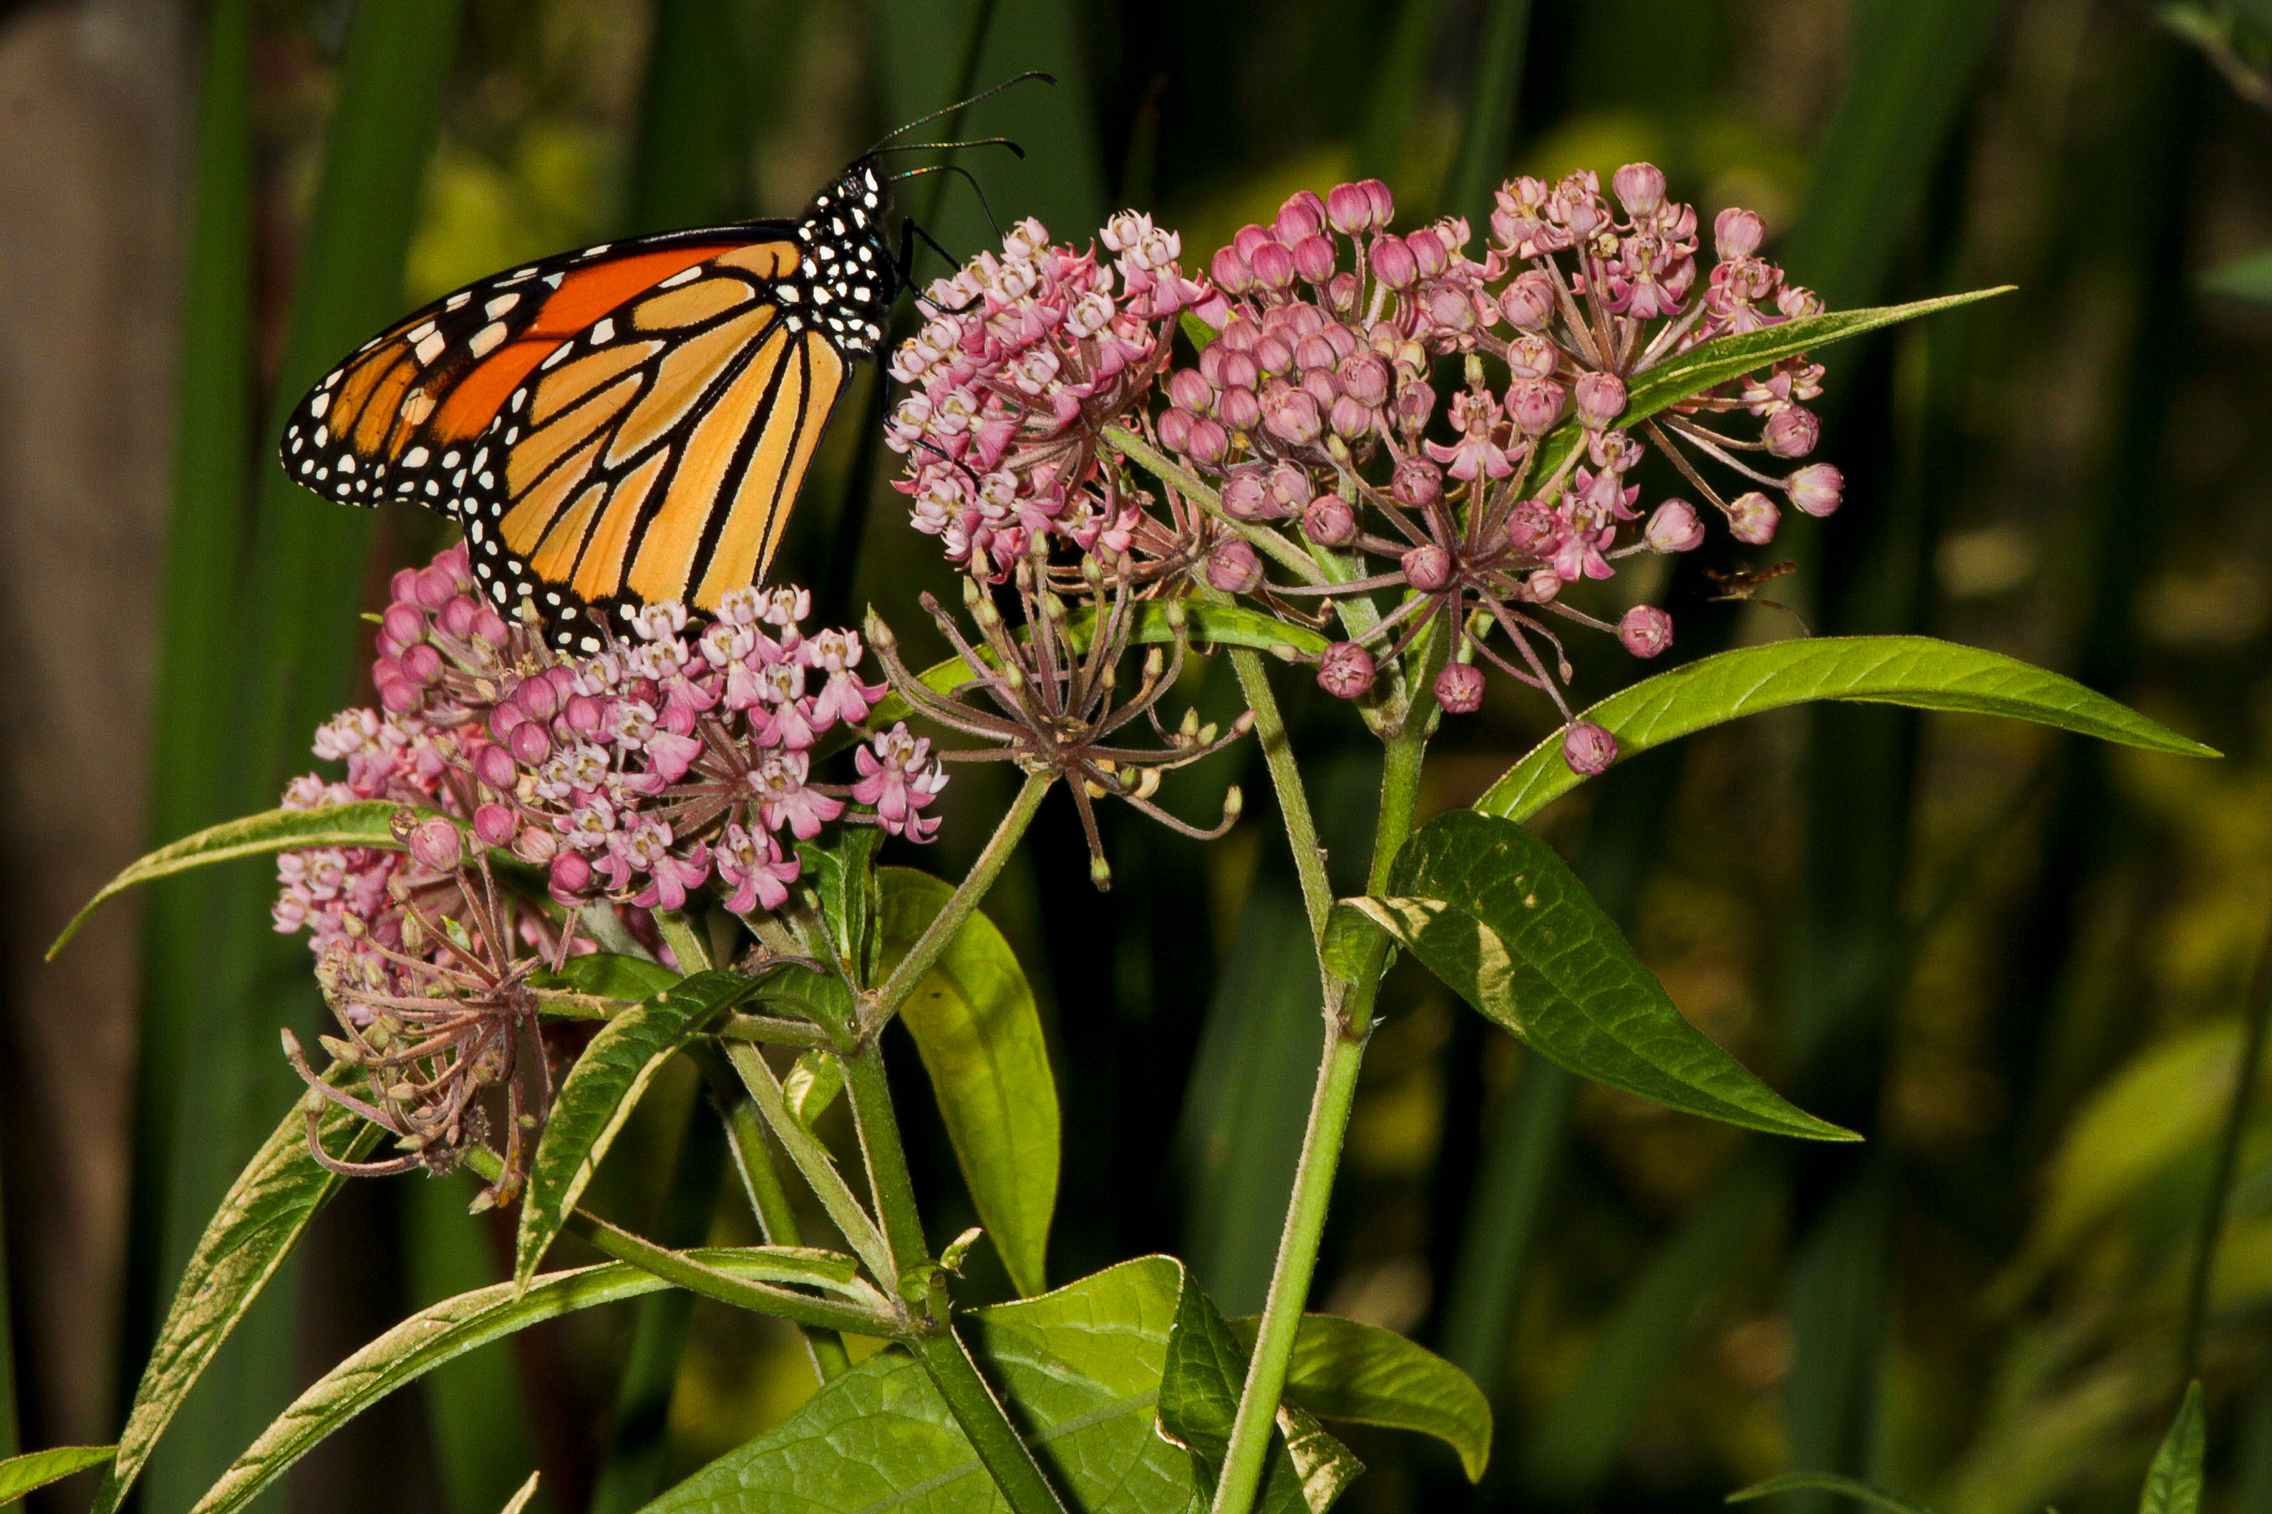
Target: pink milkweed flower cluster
<point>1024,358</point>
<point>678,758</point>
<point>1313,419</point>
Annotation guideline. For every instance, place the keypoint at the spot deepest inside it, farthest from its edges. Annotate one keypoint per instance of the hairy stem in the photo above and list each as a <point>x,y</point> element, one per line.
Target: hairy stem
<point>768,1195</point>
<point>1286,779</point>
<point>1348,1026</point>
<point>814,1163</point>
<point>942,930</point>
<point>1006,1457</point>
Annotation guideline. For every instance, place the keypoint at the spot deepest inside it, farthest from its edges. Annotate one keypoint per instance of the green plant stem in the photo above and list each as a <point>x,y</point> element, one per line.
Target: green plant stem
<point>813,1162</point>
<point>1133,447</point>
<point>768,1195</point>
<point>1286,779</point>
<point>935,938</point>
<point>2198,1288</point>
<point>1348,1027</point>
<point>1007,1458</point>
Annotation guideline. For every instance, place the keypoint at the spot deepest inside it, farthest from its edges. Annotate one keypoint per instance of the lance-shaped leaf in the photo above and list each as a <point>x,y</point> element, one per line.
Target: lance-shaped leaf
<point>1200,1383</point>
<point>1829,1482</point>
<point>611,975</point>
<point>1495,914</point>
<point>2173,1482</point>
<point>36,1469</point>
<point>247,1239</point>
<point>1916,671</point>
<point>598,1095</point>
<point>1365,1375</point>
<point>455,1326</point>
<point>362,824</point>
<point>979,1032</point>
<point>843,874</point>
<point>1079,1371</point>
<point>1707,365</point>
<point>521,1496</point>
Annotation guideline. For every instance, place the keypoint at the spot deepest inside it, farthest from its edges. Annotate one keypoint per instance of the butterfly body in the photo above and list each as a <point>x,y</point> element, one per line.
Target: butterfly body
<point>620,425</point>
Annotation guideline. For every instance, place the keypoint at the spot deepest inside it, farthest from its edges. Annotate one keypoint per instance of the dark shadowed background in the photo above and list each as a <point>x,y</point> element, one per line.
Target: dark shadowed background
<point>2019,961</point>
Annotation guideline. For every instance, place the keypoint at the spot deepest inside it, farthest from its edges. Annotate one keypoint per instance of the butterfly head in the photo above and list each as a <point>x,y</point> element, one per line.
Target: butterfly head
<point>854,277</point>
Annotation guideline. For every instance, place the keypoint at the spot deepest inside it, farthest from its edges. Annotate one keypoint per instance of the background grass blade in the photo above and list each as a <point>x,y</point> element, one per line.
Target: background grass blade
<point>1488,141</point>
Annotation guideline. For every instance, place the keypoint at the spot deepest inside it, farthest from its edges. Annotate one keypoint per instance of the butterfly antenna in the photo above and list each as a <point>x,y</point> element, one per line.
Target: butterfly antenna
<point>917,173</point>
<point>1015,150</point>
<point>948,110</point>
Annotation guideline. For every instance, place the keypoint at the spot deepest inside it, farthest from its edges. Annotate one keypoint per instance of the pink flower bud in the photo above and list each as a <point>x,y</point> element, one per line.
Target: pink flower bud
<point>1541,587</point>
<point>1352,419</point>
<point>403,584</point>
<point>436,587</point>
<point>1645,630</point>
<point>493,765</point>
<point>1792,431</point>
<point>1752,518</point>
<point>1294,418</point>
<point>1414,403</point>
<point>1313,352</point>
<point>1246,494</point>
<point>1289,492</point>
<point>1303,215</point>
<point>1207,444</point>
<point>1175,430</point>
<point>1601,399</point>
<point>459,614</point>
<point>538,698</point>
<point>571,877</point>
<point>1392,262</point>
<point>1341,292</point>
<point>1329,521</point>
<point>493,823</point>
<point>1675,528</point>
<point>421,664</point>
<point>1429,252</point>
<point>1384,204</point>
<point>1365,379</point>
<point>1314,259</point>
<point>537,844</point>
<point>1240,409</point>
<point>1234,568</point>
<point>1588,748</point>
<point>404,624</point>
<point>1274,355</point>
<point>1251,237</point>
<point>1417,483</point>
<point>583,713</point>
<point>1346,670</point>
<point>1640,188</point>
<point>1349,209</point>
<point>1535,405</point>
<point>434,844</point>
<point>1737,233</point>
<point>489,627</point>
<point>1230,272</point>
<point>1238,368</point>
<point>1817,488</point>
<point>1189,388</point>
<point>1459,688</point>
<point>1428,568</point>
<point>1528,300</point>
<point>1273,266</point>
<point>529,743</point>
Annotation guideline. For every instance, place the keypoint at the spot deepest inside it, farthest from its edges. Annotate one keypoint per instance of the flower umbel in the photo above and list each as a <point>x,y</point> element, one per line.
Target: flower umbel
<point>1056,702</point>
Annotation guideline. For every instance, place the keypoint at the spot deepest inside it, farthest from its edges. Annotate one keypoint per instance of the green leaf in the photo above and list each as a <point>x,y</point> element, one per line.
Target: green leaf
<point>2173,1482</point>
<point>612,975</point>
<point>598,1095</point>
<point>814,1081</point>
<point>1079,1369</point>
<point>1826,1482</point>
<point>364,824</point>
<point>1711,364</point>
<point>1495,914</point>
<point>455,1326</point>
<point>1200,1382</point>
<point>2247,277</point>
<point>843,873</point>
<point>244,1243</point>
<point>1365,1375</point>
<point>1917,671</point>
<point>36,1469</point>
<point>979,1032</point>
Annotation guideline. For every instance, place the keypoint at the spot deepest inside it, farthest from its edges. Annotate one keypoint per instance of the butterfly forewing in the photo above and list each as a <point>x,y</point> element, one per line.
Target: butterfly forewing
<point>615,426</point>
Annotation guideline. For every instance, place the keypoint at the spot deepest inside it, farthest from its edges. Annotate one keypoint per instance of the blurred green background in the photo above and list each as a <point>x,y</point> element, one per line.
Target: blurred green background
<point>2020,962</point>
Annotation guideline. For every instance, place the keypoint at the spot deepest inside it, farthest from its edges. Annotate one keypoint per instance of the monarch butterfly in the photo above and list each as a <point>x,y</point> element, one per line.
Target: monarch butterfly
<point>622,424</point>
